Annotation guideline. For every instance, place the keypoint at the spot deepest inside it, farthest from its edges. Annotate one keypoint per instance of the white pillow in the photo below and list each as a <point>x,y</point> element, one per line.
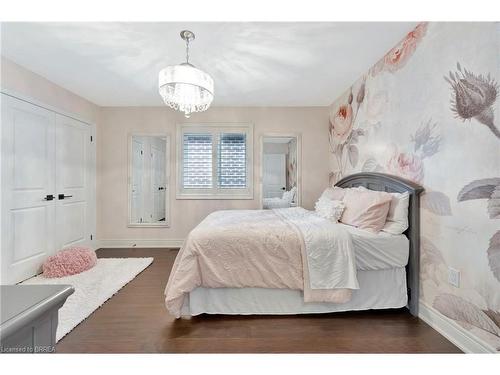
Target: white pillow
<point>329,209</point>
<point>289,196</point>
<point>397,218</point>
<point>335,193</point>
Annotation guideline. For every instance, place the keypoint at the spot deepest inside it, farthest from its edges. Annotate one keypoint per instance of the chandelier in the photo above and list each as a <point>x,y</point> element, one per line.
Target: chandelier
<point>184,87</point>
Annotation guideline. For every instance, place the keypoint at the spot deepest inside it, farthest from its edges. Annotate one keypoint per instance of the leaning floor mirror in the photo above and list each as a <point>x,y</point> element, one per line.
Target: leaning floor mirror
<point>148,181</point>
<point>280,171</point>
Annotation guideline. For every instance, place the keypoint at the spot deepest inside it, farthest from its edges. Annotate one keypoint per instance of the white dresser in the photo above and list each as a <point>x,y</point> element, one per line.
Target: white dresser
<point>29,316</point>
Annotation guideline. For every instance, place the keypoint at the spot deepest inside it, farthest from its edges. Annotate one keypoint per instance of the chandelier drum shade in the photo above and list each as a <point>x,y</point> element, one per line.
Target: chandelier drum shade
<point>184,87</point>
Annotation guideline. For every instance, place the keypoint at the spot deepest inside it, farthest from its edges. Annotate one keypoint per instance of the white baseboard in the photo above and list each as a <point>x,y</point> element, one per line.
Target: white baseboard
<point>125,243</point>
<point>458,335</point>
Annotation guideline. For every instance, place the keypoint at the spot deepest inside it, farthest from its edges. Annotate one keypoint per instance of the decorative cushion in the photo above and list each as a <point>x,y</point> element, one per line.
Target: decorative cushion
<point>289,196</point>
<point>397,218</point>
<point>69,261</point>
<point>329,209</point>
<point>366,209</point>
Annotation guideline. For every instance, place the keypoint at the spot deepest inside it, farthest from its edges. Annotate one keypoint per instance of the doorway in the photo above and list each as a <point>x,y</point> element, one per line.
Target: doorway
<point>280,183</point>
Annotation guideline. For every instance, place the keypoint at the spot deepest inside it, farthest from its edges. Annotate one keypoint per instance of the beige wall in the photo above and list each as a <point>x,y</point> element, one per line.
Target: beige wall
<point>18,80</point>
<point>116,123</point>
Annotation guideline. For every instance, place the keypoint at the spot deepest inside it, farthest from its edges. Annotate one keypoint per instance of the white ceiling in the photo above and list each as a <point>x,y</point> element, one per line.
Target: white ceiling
<point>253,64</point>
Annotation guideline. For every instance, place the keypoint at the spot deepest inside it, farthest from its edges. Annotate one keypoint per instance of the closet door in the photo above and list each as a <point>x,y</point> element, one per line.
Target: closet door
<point>28,210</point>
<point>73,183</point>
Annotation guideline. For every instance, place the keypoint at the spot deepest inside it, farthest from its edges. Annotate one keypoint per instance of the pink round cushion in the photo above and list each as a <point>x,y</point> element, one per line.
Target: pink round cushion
<point>69,261</point>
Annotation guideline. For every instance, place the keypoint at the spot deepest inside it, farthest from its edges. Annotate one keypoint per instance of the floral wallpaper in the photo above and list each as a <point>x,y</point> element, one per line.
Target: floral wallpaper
<point>427,112</point>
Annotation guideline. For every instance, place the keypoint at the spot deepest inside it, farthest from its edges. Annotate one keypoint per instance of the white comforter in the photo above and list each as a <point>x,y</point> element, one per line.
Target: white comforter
<point>270,203</point>
<point>288,248</point>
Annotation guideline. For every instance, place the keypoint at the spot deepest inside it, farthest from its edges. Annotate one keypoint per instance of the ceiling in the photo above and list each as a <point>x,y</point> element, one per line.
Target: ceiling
<point>253,64</point>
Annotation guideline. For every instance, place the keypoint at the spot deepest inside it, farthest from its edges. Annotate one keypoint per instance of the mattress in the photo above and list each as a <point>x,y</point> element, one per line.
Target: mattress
<point>380,289</point>
<point>377,251</point>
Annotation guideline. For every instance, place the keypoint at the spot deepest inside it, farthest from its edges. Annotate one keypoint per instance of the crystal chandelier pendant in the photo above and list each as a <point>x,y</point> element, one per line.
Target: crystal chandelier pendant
<point>184,87</point>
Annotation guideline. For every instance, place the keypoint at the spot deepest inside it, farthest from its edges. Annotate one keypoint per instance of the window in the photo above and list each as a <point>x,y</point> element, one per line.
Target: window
<point>197,161</point>
<point>231,161</point>
<point>215,161</point>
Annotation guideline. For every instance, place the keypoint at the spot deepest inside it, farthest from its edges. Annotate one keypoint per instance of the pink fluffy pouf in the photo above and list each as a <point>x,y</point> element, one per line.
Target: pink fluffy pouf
<point>69,261</point>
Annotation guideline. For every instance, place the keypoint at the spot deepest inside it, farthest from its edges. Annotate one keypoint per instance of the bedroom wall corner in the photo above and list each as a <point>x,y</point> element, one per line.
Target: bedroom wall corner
<point>19,81</point>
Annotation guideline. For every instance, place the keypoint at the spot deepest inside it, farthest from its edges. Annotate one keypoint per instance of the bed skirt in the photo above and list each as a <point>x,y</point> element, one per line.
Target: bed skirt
<point>381,289</point>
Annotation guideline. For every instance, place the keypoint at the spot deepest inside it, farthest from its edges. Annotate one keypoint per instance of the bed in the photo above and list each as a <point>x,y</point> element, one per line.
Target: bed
<point>267,261</point>
<point>287,200</point>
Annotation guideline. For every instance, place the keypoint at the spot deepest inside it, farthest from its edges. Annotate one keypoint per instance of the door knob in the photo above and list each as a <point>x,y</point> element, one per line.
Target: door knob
<point>62,196</point>
<point>283,188</point>
<point>161,188</point>
<point>48,197</point>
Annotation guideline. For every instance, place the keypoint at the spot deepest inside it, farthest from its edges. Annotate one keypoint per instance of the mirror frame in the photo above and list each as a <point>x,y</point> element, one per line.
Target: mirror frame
<point>168,152</point>
<point>297,136</point>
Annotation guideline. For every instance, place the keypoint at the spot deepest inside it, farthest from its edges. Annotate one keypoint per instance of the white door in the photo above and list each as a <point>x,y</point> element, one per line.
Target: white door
<point>44,155</point>
<point>28,212</point>
<point>73,190</point>
<point>136,203</point>
<point>274,176</point>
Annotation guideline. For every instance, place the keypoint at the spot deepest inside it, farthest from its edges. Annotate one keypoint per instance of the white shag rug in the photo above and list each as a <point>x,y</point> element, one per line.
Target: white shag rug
<point>92,288</point>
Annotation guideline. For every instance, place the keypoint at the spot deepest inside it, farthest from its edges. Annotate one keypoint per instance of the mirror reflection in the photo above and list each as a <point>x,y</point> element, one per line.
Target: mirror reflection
<point>148,180</point>
<point>279,172</point>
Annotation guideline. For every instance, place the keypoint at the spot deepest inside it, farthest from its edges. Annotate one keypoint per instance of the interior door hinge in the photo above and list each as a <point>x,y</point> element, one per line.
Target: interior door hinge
<point>91,139</point>
<point>91,237</point>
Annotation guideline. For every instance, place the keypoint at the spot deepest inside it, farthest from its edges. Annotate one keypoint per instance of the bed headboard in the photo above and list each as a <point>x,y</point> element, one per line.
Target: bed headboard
<point>394,184</point>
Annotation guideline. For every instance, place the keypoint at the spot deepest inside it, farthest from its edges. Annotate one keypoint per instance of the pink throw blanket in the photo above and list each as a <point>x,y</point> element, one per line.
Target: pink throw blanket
<point>249,248</point>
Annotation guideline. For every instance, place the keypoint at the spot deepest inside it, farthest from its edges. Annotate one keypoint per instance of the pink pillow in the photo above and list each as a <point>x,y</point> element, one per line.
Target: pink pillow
<point>366,209</point>
<point>69,261</point>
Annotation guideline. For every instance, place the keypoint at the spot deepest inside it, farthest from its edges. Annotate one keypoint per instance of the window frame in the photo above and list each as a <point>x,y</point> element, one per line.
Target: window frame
<point>215,192</point>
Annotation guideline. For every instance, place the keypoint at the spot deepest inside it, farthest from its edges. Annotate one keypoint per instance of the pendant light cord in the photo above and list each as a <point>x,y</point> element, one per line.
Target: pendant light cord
<point>187,50</point>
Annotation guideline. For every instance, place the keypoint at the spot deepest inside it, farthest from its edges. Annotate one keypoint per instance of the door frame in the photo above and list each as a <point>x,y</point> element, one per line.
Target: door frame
<point>297,136</point>
<point>168,154</point>
<point>94,243</point>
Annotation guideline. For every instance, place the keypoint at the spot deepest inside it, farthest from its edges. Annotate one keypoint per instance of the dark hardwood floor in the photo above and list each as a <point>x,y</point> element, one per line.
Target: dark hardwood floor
<point>135,321</point>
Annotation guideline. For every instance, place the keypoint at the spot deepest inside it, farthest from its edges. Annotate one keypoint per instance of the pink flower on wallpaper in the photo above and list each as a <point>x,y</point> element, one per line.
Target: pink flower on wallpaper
<point>341,122</point>
<point>397,57</point>
<point>408,166</point>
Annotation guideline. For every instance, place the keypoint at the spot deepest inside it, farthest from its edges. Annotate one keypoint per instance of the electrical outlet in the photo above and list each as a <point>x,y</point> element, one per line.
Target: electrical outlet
<point>454,277</point>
